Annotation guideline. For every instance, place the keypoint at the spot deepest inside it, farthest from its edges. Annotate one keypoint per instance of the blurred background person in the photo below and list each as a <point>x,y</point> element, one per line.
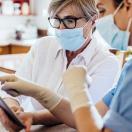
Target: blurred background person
<point>114,24</point>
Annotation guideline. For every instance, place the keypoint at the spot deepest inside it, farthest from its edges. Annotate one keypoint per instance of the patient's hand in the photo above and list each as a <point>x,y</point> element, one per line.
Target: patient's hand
<point>27,119</point>
<point>13,105</point>
<point>16,86</point>
<point>11,127</point>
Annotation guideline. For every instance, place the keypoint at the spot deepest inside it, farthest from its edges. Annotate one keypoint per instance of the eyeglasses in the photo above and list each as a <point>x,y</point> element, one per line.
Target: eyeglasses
<point>69,23</point>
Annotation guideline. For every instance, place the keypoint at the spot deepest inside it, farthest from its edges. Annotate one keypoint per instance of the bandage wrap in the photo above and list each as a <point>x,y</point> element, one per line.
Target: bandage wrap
<point>75,83</point>
<point>48,99</point>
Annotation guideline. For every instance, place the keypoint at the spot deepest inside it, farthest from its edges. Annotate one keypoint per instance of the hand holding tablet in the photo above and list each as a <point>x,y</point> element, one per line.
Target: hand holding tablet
<point>10,114</point>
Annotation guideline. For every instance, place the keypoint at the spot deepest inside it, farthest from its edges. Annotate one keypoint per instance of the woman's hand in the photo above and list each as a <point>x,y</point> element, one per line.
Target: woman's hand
<point>27,119</point>
<point>11,127</point>
<point>13,105</point>
<point>16,86</point>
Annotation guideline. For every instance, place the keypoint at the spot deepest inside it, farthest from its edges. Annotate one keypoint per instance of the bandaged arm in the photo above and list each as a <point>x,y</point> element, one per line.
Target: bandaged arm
<point>86,115</point>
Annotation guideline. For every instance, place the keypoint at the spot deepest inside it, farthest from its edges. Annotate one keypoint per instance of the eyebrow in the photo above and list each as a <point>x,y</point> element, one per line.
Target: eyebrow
<point>67,17</point>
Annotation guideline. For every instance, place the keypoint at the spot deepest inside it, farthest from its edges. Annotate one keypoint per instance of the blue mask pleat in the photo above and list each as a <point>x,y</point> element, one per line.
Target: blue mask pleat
<point>115,37</point>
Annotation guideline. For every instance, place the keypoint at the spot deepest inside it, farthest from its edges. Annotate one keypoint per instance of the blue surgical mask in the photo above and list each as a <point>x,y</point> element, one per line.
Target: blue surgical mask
<point>117,38</point>
<point>70,39</point>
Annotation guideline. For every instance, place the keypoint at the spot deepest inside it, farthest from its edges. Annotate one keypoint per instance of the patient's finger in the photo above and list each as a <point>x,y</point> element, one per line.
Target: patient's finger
<point>8,87</point>
<point>12,93</point>
<point>27,119</point>
<point>7,78</point>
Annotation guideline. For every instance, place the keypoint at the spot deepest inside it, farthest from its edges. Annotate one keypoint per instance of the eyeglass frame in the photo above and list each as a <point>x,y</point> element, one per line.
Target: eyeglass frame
<point>62,21</point>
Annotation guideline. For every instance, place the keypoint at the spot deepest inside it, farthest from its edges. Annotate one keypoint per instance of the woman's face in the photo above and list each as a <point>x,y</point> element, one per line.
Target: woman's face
<point>71,11</point>
<point>105,7</point>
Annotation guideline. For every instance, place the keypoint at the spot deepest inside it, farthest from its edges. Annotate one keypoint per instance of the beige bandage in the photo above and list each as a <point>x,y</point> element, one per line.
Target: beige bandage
<point>47,98</point>
<point>16,86</point>
<point>75,84</point>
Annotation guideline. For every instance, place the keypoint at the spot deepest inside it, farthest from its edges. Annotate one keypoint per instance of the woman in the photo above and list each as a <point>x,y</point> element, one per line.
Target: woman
<point>74,43</point>
<point>115,31</point>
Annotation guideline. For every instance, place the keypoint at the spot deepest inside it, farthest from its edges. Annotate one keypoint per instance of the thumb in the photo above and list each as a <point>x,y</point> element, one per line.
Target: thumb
<point>7,78</point>
<point>10,88</point>
<point>27,120</point>
<point>28,124</point>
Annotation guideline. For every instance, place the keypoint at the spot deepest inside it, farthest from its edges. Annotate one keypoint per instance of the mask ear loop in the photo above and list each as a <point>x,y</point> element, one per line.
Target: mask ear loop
<point>118,8</point>
<point>129,24</point>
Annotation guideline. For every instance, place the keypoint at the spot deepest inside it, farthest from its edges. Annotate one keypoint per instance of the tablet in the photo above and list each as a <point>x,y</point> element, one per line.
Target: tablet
<point>10,114</point>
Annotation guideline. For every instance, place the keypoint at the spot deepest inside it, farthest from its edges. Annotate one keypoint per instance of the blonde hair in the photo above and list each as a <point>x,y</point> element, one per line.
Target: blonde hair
<point>88,7</point>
